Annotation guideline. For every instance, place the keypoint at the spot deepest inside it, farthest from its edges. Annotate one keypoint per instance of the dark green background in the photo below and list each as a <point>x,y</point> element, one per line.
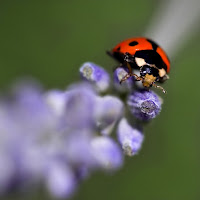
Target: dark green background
<point>50,40</point>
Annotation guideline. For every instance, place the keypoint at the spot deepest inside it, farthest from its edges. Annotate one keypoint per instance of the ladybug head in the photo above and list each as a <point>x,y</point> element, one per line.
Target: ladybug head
<point>150,75</point>
<point>150,70</point>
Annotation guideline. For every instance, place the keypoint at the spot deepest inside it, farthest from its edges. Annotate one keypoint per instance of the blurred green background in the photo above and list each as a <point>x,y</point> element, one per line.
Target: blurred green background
<point>49,40</point>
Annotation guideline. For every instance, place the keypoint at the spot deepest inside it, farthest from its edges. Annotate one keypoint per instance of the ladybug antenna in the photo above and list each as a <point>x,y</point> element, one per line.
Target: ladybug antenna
<point>159,87</point>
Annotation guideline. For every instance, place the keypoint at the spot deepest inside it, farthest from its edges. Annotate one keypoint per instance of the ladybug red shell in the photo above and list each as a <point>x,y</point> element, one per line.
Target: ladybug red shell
<point>145,55</point>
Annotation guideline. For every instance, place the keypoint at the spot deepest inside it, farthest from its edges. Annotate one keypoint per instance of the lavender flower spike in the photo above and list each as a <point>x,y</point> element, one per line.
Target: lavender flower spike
<point>131,139</point>
<point>144,105</point>
<point>95,74</point>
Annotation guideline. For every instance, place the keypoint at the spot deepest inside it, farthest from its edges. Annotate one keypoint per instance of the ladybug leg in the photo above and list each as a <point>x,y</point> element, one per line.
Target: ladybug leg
<point>159,87</point>
<point>137,78</point>
<point>125,78</point>
<point>164,78</point>
<point>129,68</point>
<point>127,75</point>
<point>130,74</point>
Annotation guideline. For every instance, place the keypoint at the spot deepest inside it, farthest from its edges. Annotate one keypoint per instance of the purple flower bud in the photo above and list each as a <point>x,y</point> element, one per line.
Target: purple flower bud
<point>60,180</point>
<point>144,105</point>
<point>31,160</point>
<point>79,107</point>
<point>29,102</point>
<point>108,111</point>
<point>28,114</point>
<point>78,149</point>
<point>126,85</point>
<point>107,153</point>
<point>131,139</point>
<point>95,74</point>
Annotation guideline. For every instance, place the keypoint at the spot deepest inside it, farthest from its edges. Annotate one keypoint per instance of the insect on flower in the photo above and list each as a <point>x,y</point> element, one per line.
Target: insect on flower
<point>144,55</point>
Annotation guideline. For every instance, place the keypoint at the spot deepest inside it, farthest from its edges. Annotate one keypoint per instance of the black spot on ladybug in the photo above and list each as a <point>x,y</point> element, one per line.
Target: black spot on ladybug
<point>154,45</point>
<point>118,49</point>
<point>133,43</point>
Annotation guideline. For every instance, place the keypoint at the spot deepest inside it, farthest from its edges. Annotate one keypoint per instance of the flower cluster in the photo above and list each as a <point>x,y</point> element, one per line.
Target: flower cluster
<point>57,138</point>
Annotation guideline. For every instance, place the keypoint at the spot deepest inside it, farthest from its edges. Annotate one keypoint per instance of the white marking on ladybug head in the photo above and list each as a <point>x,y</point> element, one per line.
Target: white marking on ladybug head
<point>140,61</point>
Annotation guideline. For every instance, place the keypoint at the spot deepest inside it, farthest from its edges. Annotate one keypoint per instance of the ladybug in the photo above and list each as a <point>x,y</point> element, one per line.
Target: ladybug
<point>145,55</point>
